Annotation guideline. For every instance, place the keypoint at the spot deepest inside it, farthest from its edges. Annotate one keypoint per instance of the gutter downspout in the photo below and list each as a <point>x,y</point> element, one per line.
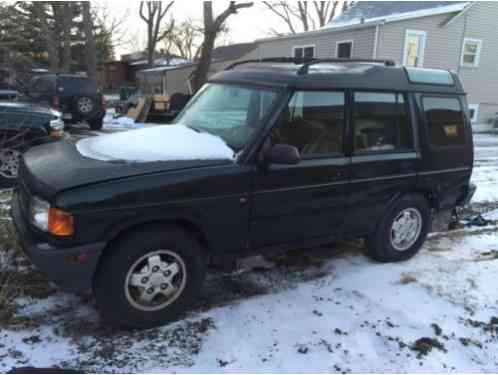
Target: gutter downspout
<point>376,40</point>
<point>464,34</point>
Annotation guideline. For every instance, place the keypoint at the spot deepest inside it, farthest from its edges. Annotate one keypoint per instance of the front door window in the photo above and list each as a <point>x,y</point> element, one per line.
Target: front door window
<point>414,48</point>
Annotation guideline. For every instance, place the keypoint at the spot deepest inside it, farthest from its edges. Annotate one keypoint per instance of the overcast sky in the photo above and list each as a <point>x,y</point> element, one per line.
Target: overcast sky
<point>248,25</point>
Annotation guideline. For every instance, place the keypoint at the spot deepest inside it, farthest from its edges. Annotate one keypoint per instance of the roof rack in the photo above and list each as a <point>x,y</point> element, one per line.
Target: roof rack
<point>305,68</point>
<point>270,59</point>
<point>307,62</point>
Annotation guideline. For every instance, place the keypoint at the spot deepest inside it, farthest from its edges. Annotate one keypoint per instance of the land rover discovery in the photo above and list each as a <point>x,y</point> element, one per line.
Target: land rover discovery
<point>268,156</point>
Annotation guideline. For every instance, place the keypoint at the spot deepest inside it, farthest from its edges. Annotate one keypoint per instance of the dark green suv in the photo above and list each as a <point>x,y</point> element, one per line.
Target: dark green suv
<point>267,157</point>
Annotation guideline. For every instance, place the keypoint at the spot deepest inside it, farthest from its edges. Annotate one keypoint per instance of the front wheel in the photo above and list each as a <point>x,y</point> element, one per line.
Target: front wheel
<point>402,231</point>
<point>9,167</point>
<point>149,278</point>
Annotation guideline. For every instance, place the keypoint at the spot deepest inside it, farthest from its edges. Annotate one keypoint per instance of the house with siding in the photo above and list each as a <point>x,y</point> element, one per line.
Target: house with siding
<point>455,35</point>
<point>176,79</point>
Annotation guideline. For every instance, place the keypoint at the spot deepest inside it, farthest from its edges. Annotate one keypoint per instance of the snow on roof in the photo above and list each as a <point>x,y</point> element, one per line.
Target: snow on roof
<point>388,11</point>
<point>163,61</point>
<point>159,143</point>
<point>167,68</point>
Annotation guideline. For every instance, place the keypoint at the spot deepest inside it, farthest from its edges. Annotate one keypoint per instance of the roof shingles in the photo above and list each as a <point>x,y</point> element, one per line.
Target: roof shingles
<point>377,9</point>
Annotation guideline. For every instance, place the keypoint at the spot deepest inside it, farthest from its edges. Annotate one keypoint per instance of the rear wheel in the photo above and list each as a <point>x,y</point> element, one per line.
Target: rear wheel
<point>85,105</point>
<point>96,124</point>
<point>402,231</point>
<point>149,278</point>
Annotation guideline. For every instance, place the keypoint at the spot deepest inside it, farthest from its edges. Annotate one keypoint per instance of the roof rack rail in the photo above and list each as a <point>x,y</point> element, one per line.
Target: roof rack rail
<point>293,60</point>
<point>305,68</point>
<point>307,62</point>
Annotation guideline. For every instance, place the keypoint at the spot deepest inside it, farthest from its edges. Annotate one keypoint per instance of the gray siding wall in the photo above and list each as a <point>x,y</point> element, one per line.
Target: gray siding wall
<point>482,82</point>
<point>444,47</point>
<point>325,43</point>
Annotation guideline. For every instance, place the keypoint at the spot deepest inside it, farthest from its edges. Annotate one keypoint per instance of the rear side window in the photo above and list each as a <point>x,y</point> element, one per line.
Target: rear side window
<point>445,121</point>
<point>381,123</point>
<point>313,122</point>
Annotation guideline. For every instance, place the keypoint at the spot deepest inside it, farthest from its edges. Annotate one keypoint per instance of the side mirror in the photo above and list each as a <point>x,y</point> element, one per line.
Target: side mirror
<point>283,154</point>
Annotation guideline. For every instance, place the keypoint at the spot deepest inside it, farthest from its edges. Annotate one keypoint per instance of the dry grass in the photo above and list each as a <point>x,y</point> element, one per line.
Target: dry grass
<point>407,279</point>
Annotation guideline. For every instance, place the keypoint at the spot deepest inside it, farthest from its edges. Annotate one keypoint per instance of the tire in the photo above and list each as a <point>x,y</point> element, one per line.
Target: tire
<point>133,260</point>
<point>9,167</point>
<point>96,124</point>
<point>393,240</point>
<point>85,106</point>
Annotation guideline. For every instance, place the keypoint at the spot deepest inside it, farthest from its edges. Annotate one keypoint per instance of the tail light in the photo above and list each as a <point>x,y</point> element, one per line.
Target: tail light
<point>56,102</point>
<point>103,103</point>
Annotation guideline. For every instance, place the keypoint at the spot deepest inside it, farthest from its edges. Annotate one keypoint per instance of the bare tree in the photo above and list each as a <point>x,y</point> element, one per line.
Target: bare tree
<point>91,48</point>
<point>153,17</point>
<point>185,39</point>
<point>299,16</point>
<point>212,27</point>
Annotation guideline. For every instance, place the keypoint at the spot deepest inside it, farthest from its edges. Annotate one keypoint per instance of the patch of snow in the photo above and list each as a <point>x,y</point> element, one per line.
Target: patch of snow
<point>485,175</point>
<point>357,316</point>
<point>158,143</point>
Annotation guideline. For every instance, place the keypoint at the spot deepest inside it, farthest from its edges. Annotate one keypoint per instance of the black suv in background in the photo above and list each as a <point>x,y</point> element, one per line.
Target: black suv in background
<point>23,125</point>
<point>73,95</point>
<point>265,158</point>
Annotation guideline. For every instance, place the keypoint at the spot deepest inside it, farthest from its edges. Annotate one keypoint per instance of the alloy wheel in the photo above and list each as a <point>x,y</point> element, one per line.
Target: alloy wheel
<point>406,229</point>
<point>155,280</point>
<point>9,163</point>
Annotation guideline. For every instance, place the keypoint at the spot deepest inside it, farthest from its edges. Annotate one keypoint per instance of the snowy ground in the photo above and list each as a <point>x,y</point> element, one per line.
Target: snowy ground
<point>322,310</point>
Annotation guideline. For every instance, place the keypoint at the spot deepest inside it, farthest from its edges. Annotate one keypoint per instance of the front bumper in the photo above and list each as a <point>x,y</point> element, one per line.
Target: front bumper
<point>72,269</point>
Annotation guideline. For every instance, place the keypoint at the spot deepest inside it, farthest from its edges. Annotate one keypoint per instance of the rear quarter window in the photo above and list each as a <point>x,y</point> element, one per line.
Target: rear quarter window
<point>444,117</point>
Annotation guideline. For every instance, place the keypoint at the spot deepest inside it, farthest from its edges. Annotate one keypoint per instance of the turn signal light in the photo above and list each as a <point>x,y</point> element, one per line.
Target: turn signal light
<point>60,223</point>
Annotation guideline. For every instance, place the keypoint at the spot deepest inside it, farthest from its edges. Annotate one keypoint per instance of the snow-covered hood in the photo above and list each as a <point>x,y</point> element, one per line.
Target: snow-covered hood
<point>158,143</point>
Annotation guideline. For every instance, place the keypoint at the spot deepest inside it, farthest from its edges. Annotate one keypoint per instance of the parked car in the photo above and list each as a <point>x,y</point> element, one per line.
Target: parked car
<point>73,95</point>
<point>9,95</point>
<point>267,157</point>
<point>23,126</point>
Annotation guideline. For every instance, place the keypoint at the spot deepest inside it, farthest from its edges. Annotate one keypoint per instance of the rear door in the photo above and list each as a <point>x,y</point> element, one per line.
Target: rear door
<point>304,202</point>
<point>447,146</point>
<point>384,156</point>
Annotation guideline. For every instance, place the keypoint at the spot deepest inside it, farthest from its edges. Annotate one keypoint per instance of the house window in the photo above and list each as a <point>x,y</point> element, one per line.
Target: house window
<point>344,49</point>
<point>444,117</point>
<point>471,52</point>
<point>474,112</point>
<point>306,52</point>
<point>381,123</point>
<point>414,51</point>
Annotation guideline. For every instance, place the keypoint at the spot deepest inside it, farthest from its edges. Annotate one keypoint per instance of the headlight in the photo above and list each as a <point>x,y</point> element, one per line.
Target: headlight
<point>40,211</point>
<point>51,219</point>
<point>56,129</point>
<point>57,124</point>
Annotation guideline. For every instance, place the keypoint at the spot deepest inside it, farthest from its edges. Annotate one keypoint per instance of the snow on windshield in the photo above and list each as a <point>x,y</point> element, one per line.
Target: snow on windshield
<point>159,143</point>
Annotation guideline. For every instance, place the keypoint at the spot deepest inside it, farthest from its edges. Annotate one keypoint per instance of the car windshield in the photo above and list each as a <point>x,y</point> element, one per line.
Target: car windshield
<point>231,112</point>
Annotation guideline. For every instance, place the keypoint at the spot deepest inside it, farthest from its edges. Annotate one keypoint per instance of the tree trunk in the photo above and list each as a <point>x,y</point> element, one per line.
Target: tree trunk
<point>204,63</point>
<point>67,24</point>
<point>211,29</point>
<point>48,37</point>
<point>91,50</point>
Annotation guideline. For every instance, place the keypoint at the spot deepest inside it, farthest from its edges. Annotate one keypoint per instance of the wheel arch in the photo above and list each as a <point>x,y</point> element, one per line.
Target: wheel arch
<point>185,223</point>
